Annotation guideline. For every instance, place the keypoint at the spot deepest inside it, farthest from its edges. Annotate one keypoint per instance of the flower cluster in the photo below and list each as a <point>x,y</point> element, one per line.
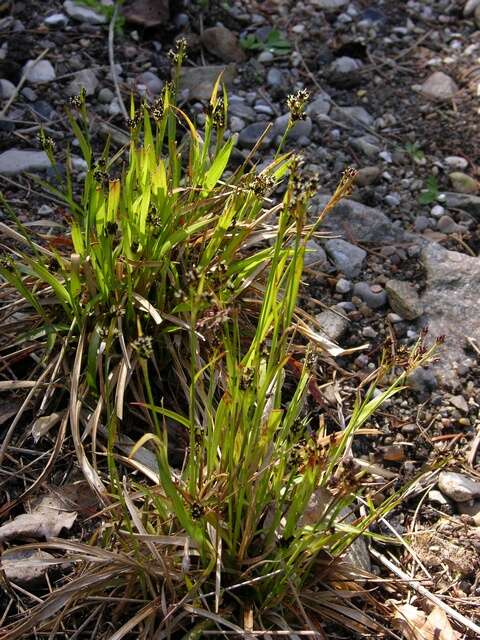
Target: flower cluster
<point>134,121</point>
<point>156,109</point>
<point>100,174</point>
<point>262,185</point>
<point>6,262</point>
<point>48,144</point>
<point>197,511</point>
<point>217,113</point>
<point>79,100</point>
<point>143,345</point>
<point>296,105</point>
<point>177,55</point>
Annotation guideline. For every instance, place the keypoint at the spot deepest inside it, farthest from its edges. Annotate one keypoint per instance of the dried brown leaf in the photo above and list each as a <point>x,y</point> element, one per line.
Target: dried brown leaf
<point>26,566</point>
<point>46,520</point>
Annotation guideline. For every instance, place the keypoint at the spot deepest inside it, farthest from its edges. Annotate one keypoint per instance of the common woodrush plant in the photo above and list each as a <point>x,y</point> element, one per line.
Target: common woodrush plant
<point>174,352</point>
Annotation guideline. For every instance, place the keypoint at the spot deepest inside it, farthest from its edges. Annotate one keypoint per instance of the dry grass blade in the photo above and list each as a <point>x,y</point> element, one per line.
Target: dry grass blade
<point>26,402</point>
<point>89,472</point>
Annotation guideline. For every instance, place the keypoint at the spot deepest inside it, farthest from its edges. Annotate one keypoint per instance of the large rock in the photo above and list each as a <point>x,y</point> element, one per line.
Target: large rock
<point>223,44</point>
<point>16,161</point>
<point>450,303</point>
<point>199,81</point>
<point>360,223</point>
<point>439,86</point>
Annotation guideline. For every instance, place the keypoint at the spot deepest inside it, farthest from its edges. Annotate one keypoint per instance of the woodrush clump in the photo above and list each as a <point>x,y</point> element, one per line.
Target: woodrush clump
<point>175,317</point>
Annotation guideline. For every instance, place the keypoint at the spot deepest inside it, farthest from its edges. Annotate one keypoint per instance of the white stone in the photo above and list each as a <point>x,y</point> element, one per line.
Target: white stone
<point>458,486</point>
<point>439,86</point>
<point>16,161</point>
<point>7,88</point>
<point>83,14</point>
<point>456,162</point>
<point>39,72</point>
<point>56,20</point>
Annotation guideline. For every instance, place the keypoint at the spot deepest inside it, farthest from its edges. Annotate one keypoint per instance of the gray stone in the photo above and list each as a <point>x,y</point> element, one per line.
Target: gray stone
<point>422,381</point>
<point>450,301</point>
<point>404,299</point>
<point>299,129</point>
<point>446,224</point>
<point>469,203</point>
<point>241,109</point>
<point>236,124</point>
<point>330,5</point>
<point>39,72</point>
<point>83,14</point>
<point>439,86</point>
<point>471,508</point>
<point>368,175</point>
<point>105,95</point>
<point>56,20</point>
<point>319,106</point>
<point>266,57</point>
<point>421,223</point>
<point>343,72</point>
<point>368,144</point>
<point>278,79</point>
<point>374,296</point>
<point>463,183</point>
<point>249,136</point>
<point>7,88</point>
<point>16,161</point>
<point>85,79</point>
<point>362,223</point>
<point>459,403</point>
<point>315,254</point>
<point>353,114</point>
<point>436,497</point>
<point>151,81</point>
<point>223,44</point>
<point>343,286</point>
<point>29,94</point>
<point>333,324</point>
<point>199,81</point>
<point>392,199</point>
<point>458,486</point>
<point>347,257</point>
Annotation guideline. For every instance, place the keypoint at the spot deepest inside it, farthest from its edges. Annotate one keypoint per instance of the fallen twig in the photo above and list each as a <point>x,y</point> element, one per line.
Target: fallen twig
<point>414,584</point>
